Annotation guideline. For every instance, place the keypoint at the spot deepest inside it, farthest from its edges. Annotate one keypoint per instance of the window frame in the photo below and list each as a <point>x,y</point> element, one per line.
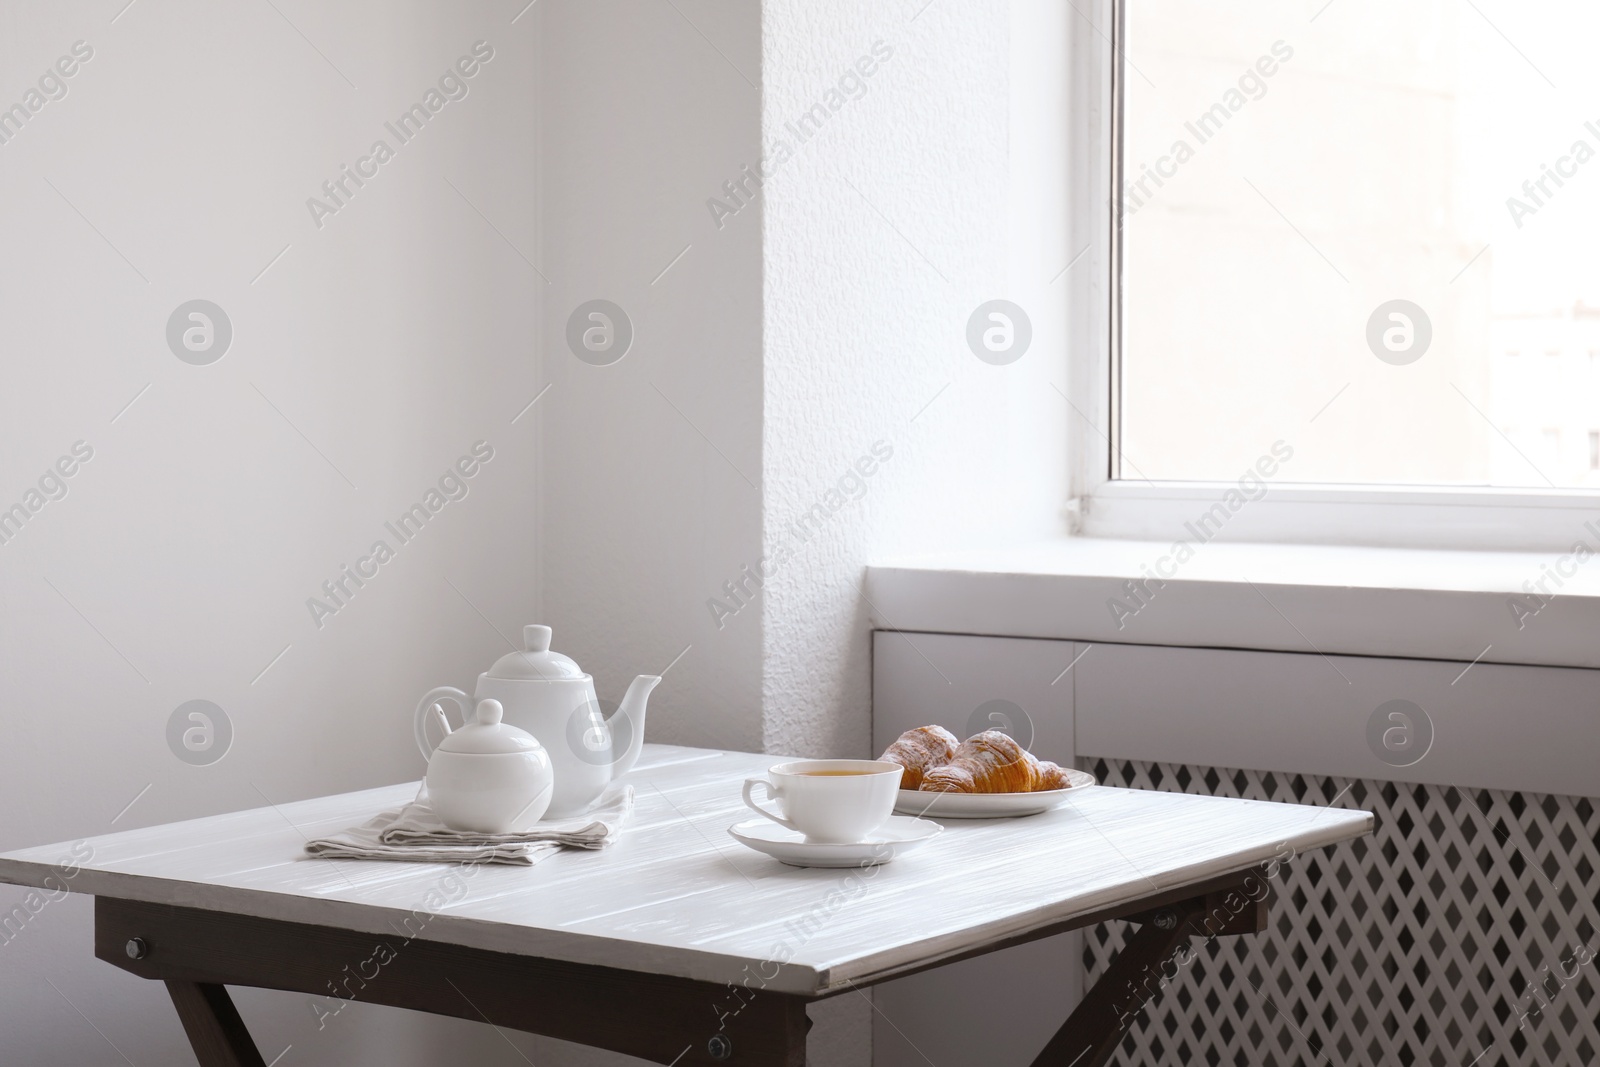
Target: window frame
<point>1105,504</point>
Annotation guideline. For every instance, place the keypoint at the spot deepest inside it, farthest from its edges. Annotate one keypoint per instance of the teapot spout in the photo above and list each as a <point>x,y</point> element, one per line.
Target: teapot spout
<point>628,720</point>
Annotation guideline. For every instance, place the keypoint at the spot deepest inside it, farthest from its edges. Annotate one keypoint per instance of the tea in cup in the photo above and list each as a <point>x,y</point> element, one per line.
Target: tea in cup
<point>830,801</point>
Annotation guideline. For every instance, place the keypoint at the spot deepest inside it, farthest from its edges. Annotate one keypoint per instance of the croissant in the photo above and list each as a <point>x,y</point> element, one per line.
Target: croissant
<point>920,751</point>
<point>993,762</point>
<point>1051,776</point>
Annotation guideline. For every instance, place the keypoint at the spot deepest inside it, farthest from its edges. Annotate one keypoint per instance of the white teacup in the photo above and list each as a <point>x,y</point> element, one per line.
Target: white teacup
<point>831,801</point>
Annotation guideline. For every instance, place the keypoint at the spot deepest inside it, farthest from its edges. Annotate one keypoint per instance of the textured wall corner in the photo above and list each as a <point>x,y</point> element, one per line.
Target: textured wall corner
<point>891,215</point>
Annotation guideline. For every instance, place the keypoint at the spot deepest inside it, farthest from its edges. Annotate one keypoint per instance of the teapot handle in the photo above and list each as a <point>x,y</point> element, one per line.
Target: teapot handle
<point>445,692</point>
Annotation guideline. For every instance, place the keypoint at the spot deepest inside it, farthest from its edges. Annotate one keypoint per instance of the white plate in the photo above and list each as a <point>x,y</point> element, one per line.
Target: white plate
<point>988,805</point>
<point>894,838</point>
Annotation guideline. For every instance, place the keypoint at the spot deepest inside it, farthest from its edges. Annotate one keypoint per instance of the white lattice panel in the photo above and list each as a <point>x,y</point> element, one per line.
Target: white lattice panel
<point>1462,932</point>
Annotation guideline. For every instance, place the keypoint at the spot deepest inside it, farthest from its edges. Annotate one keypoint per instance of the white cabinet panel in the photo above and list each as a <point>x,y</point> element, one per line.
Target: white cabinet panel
<point>1493,726</point>
<point>999,1009</point>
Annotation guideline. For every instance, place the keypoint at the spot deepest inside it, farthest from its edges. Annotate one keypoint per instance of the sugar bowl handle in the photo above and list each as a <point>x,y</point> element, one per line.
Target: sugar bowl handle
<point>449,693</point>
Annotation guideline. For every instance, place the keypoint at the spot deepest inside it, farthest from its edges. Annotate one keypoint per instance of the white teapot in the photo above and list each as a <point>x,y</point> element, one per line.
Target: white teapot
<point>549,696</point>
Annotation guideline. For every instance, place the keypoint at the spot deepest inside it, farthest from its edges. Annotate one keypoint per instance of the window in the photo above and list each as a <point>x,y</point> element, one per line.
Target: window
<point>1550,453</point>
<point>1324,230</point>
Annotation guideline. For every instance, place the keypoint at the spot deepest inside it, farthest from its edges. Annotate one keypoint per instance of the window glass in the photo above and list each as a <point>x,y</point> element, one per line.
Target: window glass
<point>1365,229</point>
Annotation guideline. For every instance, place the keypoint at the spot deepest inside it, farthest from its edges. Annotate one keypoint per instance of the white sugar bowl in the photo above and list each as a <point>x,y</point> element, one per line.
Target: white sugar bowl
<point>490,777</point>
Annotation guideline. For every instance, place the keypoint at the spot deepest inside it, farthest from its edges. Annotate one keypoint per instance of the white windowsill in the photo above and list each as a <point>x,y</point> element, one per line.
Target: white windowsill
<point>1403,602</point>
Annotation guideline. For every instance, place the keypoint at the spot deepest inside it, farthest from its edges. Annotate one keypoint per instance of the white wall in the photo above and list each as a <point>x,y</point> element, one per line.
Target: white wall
<point>787,339</point>
<point>944,186</point>
<point>764,367</point>
<point>651,493</point>
<point>182,556</point>
<point>937,186</point>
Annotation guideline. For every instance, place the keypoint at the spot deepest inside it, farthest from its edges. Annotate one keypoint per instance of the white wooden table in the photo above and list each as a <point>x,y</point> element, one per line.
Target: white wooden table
<point>676,944</point>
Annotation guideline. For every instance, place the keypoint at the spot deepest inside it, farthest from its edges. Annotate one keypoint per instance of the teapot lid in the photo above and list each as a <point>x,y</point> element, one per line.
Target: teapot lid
<point>487,735</point>
<point>535,660</point>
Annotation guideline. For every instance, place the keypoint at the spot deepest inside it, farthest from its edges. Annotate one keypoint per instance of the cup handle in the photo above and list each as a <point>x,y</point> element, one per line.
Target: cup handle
<point>444,692</point>
<point>772,793</point>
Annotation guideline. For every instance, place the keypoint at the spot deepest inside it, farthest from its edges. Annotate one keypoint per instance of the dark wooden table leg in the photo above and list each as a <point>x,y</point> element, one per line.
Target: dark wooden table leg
<point>1093,1031</point>
<point>786,1040</point>
<point>1150,959</point>
<point>215,1030</point>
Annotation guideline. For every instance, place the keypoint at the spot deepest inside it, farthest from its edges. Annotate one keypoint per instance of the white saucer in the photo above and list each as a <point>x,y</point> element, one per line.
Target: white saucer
<point>988,805</point>
<point>894,838</point>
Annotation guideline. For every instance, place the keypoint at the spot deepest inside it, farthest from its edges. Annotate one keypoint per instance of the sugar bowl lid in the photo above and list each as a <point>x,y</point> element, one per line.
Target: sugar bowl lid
<point>487,735</point>
<point>535,660</point>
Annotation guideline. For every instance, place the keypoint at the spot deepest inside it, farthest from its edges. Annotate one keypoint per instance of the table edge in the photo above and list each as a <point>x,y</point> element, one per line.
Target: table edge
<point>812,980</point>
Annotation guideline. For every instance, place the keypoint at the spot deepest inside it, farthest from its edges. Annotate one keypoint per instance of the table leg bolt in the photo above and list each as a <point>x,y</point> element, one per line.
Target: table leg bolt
<point>720,1047</point>
<point>1166,920</point>
<point>136,948</point>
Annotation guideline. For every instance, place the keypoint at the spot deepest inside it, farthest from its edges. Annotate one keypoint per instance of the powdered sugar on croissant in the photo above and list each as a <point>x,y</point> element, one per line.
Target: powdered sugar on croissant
<point>993,762</point>
<point>921,751</point>
<point>1051,776</point>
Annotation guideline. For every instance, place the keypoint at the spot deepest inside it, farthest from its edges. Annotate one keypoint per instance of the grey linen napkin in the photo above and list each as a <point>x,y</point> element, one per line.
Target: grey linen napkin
<point>414,834</point>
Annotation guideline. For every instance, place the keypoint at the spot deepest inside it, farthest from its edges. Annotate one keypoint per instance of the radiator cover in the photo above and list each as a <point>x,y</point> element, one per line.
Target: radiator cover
<point>1430,942</point>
